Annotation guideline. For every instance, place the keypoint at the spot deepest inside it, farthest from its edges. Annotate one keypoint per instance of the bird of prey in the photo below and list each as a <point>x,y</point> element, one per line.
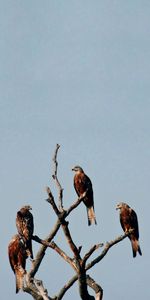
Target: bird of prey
<point>128,220</point>
<point>25,227</point>
<point>17,258</point>
<point>83,184</point>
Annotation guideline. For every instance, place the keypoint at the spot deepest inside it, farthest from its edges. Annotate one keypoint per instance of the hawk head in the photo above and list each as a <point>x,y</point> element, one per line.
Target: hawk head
<point>77,169</point>
<point>26,208</point>
<point>122,205</point>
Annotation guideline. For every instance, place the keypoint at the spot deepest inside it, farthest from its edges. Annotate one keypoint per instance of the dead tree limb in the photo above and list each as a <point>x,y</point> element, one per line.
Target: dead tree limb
<point>52,201</point>
<point>90,252</point>
<point>90,265</point>
<point>83,291</point>
<point>91,283</point>
<point>66,287</point>
<point>96,287</point>
<point>54,176</point>
<point>55,247</point>
<point>72,245</point>
<point>107,247</point>
<point>35,288</point>
<point>76,203</point>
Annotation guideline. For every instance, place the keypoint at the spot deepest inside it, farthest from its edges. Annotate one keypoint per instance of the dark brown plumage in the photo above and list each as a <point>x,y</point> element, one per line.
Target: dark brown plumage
<point>128,220</point>
<point>25,227</point>
<point>82,184</point>
<point>17,258</point>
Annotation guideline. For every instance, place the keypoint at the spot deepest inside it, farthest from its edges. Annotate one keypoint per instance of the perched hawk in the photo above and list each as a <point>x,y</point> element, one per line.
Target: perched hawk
<point>17,258</point>
<point>25,227</point>
<point>128,220</point>
<point>82,183</point>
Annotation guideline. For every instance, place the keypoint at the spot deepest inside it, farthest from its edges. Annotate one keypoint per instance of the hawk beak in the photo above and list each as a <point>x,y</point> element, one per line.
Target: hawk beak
<point>118,207</point>
<point>72,169</point>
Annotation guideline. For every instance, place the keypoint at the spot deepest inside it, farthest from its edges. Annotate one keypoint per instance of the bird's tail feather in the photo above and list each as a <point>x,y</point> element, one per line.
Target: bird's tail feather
<point>135,247</point>
<point>91,215</point>
<point>139,250</point>
<point>19,278</point>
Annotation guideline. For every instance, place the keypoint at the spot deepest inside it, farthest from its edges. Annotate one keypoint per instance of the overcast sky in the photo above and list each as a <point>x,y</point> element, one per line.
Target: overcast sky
<point>76,73</point>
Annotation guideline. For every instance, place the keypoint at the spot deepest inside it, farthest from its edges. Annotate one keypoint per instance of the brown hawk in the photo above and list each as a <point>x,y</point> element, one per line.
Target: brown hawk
<point>82,184</point>
<point>17,258</point>
<point>128,220</point>
<point>25,227</point>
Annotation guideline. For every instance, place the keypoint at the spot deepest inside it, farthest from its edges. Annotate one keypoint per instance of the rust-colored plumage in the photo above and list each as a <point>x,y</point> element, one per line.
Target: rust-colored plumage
<point>82,184</point>
<point>128,220</point>
<point>25,227</point>
<point>17,258</point>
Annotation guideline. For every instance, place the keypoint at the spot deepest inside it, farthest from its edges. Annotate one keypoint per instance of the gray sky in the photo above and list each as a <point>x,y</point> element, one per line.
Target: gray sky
<point>76,73</point>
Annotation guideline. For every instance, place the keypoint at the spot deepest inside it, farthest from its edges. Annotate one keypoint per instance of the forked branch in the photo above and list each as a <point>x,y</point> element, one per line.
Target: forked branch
<point>107,247</point>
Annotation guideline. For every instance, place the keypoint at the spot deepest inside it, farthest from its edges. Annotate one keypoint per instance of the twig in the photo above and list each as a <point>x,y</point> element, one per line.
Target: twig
<point>54,176</point>
<point>90,252</point>
<point>52,201</point>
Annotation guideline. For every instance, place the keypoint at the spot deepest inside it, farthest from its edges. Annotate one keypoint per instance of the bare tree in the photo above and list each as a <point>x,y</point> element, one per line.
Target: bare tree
<point>80,264</point>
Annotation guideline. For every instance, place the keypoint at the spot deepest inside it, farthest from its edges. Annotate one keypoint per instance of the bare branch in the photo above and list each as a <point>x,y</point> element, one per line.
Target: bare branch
<point>76,203</point>
<point>90,252</point>
<point>52,201</point>
<point>63,255</point>
<point>83,291</point>
<point>106,249</point>
<point>96,287</point>
<point>60,189</point>
<point>41,290</point>
<point>55,161</point>
<point>72,245</point>
<point>66,287</point>
<point>65,213</point>
<point>64,224</point>
<point>35,288</point>
<point>91,283</point>
<point>90,265</point>
<point>80,270</point>
<point>55,247</point>
<point>40,241</point>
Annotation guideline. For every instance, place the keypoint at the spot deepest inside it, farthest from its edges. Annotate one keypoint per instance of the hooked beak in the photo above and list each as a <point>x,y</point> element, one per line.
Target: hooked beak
<point>118,207</point>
